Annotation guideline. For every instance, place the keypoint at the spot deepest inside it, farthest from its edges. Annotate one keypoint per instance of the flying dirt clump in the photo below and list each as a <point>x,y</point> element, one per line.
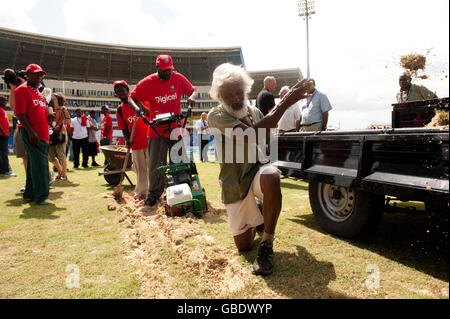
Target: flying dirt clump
<point>414,62</point>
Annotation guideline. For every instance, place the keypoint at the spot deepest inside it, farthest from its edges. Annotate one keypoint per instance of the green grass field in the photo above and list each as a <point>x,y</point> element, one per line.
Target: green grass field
<point>38,245</point>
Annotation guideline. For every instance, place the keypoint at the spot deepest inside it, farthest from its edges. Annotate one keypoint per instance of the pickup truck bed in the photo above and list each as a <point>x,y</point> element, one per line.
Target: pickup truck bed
<point>350,172</point>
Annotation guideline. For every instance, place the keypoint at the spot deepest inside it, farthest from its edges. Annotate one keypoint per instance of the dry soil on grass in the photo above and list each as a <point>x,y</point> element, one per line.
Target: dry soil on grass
<point>153,240</point>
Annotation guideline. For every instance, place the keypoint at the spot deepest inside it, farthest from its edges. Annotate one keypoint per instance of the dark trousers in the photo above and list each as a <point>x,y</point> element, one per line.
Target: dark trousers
<point>36,187</point>
<point>157,156</point>
<point>204,142</point>
<point>105,141</point>
<point>4,161</point>
<point>77,145</point>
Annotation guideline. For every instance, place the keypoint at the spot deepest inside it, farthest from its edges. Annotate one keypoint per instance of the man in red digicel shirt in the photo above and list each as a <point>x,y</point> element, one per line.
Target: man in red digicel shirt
<point>107,128</point>
<point>163,91</point>
<point>31,110</point>
<point>126,117</point>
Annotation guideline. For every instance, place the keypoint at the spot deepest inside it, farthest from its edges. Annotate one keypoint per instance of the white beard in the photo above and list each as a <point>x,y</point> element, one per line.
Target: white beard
<point>238,114</point>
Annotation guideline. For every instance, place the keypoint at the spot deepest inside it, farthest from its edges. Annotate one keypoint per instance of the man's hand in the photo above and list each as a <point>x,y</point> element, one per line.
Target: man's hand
<point>191,102</point>
<point>298,92</point>
<point>34,138</point>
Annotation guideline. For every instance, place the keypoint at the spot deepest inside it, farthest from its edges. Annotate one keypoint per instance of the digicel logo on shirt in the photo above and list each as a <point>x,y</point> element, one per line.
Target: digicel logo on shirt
<point>166,98</point>
<point>38,102</point>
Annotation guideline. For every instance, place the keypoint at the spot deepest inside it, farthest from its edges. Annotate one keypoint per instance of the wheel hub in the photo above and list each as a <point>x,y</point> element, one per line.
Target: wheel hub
<point>336,201</point>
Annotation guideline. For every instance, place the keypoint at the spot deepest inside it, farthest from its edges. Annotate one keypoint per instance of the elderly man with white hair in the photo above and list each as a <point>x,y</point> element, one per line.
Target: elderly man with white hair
<point>242,180</point>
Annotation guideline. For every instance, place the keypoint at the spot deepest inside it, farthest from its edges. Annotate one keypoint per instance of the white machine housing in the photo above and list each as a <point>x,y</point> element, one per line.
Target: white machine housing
<point>178,193</point>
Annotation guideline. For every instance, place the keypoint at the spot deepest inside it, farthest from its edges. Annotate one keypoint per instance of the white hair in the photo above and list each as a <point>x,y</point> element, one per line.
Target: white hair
<point>226,73</point>
<point>284,90</point>
<point>269,78</point>
<point>47,94</point>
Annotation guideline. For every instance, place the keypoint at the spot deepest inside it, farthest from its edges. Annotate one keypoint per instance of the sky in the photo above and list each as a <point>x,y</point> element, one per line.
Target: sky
<point>355,45</point>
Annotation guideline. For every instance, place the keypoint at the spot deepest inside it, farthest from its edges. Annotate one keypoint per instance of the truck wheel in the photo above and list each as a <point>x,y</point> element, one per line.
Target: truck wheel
<point>344,211</point>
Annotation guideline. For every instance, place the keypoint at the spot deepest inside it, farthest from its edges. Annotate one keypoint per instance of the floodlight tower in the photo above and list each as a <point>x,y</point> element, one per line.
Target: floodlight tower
<point>305,9</point>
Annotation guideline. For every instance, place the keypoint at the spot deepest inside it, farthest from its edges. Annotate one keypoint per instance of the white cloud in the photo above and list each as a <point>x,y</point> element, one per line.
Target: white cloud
<point>16,15</point>
<point>110,21</point>
<point>354,45</point>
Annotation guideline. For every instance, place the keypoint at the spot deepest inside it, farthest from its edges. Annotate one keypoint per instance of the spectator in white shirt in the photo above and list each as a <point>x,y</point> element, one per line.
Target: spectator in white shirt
<point>290,121</point>
<point>79,126</point>
<point>203,134</point>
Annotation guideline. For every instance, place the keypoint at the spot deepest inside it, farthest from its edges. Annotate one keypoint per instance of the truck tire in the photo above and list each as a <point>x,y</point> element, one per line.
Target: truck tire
<point>343,211</point>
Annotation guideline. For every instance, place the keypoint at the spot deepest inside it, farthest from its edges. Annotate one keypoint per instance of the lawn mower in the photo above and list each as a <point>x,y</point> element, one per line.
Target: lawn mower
<point>184,192</point>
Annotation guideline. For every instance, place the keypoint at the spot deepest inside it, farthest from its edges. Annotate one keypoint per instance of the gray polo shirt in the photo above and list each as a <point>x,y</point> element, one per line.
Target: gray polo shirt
<point>313,108</point>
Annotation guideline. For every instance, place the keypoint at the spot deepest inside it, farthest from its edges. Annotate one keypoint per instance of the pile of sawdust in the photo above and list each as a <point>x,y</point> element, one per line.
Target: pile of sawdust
<point>166,251</point>
<point>441,119</point>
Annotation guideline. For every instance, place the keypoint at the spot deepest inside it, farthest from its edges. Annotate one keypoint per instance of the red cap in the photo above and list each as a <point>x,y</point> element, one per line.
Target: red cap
<point>121,82</point>
<point>164,62</point>
<point>34,68</point>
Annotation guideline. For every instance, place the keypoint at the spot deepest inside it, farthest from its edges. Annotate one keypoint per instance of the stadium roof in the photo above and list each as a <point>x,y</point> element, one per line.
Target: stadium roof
<point>72,60</point>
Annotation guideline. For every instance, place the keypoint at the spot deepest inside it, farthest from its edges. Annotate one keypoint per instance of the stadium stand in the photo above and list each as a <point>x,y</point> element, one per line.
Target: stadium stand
<point>84,71</point>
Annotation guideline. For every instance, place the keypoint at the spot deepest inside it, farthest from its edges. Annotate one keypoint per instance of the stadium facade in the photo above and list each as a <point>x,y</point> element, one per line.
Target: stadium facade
<point>85,71</point>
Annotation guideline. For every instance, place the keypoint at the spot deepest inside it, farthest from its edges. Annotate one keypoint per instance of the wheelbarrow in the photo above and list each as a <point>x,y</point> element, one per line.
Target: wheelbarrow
<point>115,156</point>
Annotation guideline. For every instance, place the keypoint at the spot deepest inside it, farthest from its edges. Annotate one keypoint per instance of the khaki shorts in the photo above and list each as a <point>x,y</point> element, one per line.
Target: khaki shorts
<point>58,149</point>
<point>245,214</point>
<point>19,146</point>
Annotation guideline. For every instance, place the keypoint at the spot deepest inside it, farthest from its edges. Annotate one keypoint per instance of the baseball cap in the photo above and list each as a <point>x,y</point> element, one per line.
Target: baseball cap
<point>164,62</point>
<point>121,82</point>
<point>34,68</point>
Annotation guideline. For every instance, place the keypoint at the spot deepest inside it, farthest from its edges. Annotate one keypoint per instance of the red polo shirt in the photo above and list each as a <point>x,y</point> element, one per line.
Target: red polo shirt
<point>4,122</point>
<point>140,132</point>
<point>164,96</point>
<point>107,122</point>
<point>32,104</point>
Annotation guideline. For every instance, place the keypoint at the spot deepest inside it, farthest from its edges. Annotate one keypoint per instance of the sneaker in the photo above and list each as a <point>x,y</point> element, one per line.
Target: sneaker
<point>43,203</point>
<point>22,189</point>
<point>9,174</point>
<point>94,164</point>
<point>85,166</point>
<point>263,264</point>
<point>150,202</point>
